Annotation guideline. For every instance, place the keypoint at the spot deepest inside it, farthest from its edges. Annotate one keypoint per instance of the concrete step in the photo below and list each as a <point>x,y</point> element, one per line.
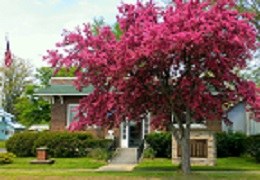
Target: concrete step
<point>125,156</point>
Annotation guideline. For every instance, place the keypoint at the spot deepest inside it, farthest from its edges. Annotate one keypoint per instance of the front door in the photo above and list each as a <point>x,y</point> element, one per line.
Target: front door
<point>135,134</point>
<point>132,133</point>
<point>124,134</point>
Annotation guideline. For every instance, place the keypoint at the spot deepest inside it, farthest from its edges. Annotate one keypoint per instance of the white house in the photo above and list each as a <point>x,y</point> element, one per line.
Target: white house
<point>8,126</point>
<point>241,121</point>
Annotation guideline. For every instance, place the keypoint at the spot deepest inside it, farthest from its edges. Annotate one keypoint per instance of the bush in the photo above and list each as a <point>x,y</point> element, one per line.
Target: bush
<point>231,144</point>
<point>98,143</point>
<point>149,153</point>
<point>59,144</point>
<point>104,146</point>
<point>63,144</point>
<point>161,143</point>
<point>99,154</point>
<point>21,144</point>
<point>254,147</point>
<point>6,158</point>
<point>257,156</point>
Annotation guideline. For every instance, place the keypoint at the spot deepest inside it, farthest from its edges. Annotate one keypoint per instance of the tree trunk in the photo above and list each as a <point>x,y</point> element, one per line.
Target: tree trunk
<point>185,152</point>
<point>185,145</point>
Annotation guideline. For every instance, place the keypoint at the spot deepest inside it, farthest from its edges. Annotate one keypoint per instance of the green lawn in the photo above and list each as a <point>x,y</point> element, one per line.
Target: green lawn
<point>233,164</point>
<point>223,164</point>
<point>78,168</point>
<point>60,163</point>
<point>83,174</point>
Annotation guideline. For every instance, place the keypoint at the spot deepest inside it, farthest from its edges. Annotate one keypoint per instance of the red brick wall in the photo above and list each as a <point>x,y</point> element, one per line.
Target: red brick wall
<point>61,81</point>
<point>215,126</point>
<point>59,112</point>
<point>59,116</point>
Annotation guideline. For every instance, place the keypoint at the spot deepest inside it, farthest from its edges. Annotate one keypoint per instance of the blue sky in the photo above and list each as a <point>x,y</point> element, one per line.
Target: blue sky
<point>36,25</point>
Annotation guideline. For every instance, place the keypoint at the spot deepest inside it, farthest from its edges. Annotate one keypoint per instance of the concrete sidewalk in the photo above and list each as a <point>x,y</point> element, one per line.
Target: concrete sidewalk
<point>117,167</point>
<point>3,150</point>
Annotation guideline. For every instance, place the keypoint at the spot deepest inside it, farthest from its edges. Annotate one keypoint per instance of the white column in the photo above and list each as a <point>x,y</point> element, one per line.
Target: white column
<point>124,134</point>
<point>146,125</point>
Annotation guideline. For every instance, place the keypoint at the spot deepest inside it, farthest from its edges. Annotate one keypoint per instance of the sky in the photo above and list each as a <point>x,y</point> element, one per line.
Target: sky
<point>34,26</point>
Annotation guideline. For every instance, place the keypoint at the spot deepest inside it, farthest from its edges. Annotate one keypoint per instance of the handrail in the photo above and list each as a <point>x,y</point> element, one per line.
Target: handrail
<point>140,150</point>
<point>112,148</point>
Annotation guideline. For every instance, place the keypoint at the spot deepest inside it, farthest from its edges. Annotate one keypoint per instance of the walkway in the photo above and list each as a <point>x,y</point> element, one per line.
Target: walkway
<point>117,167</point>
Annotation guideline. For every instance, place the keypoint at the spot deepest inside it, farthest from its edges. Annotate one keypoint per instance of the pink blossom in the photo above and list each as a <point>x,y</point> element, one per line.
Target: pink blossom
<point>167,60</point>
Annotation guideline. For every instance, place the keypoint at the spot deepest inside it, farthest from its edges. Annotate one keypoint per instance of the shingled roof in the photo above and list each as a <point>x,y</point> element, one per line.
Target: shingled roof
<point>63,90</point>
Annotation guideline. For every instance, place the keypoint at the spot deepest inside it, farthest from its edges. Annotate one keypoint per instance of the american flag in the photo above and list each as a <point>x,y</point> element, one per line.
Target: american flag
<point>8,55</point>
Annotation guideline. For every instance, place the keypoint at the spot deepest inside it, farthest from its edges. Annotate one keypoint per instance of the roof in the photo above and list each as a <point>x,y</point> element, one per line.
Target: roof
<point>39,127</point>
<point>15,125</point>
<point>63,90</point>
<point>7,118</point>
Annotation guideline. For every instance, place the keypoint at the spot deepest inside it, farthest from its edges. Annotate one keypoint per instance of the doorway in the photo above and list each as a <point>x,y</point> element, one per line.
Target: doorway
<point>131,134</point>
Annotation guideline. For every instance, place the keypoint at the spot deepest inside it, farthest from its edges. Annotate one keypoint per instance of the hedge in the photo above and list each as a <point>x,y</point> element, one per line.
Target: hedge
<point>231,144</point>
<point>161,143</point>
<point>60,144</point>
<point>63,144</point>
<point>21,144</point>
<point>254,147</point>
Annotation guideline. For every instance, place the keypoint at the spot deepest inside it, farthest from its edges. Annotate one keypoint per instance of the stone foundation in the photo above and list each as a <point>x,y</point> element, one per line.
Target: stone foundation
<point>200,138</point>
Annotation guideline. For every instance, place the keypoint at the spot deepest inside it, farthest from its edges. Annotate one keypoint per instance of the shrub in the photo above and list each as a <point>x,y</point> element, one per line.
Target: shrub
<point>59,144</point>
<point>254,147</point>
<point>104,146</point>
<point>98,143</point>
<point>21,144</point>
<point>6,158</point>
<point>161,143</point>
<point>231,144</point>
<point>257,156</point>
<point>149,153</point>
<point>99,154</point>
<point>63,144</point>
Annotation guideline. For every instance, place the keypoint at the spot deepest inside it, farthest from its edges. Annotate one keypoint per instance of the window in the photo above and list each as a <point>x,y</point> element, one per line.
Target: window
<point>198,148</point>
<point>71,113</point>
<point>7,132</point>
<point>124,129</point>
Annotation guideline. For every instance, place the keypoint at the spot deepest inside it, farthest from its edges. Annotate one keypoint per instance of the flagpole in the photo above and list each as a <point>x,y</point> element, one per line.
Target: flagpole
<point>2,75</point>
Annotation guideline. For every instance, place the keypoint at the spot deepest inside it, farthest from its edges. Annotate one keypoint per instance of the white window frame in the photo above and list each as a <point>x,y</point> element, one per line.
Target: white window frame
<point>68,113</point>
<point>148,128</point>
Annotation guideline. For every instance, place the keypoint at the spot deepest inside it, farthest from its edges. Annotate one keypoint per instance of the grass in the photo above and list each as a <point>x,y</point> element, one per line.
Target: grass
<point>233,164</point>
<point>81,174</point>
<point>223,164</point>
<point>2,144</point>
<point>78,168</point>
<point>60,163</point>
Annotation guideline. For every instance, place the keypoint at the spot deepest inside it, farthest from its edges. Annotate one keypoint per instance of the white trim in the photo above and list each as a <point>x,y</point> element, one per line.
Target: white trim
<point>68,114</point>
<point>149,122</point>
<point>124,143</point>
<point>143,125</point>
<point>52,100</point>
<point>61,99</point>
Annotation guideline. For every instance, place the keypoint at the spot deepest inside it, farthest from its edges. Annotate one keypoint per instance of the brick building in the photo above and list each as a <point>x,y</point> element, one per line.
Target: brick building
<point>65,98</point>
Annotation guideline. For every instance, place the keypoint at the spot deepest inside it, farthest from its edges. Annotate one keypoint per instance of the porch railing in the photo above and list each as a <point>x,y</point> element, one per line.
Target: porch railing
<point>140,150</point>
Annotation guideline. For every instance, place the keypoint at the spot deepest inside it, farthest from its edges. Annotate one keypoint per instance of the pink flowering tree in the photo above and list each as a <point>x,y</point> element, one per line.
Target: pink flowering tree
<point>180,63</point>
